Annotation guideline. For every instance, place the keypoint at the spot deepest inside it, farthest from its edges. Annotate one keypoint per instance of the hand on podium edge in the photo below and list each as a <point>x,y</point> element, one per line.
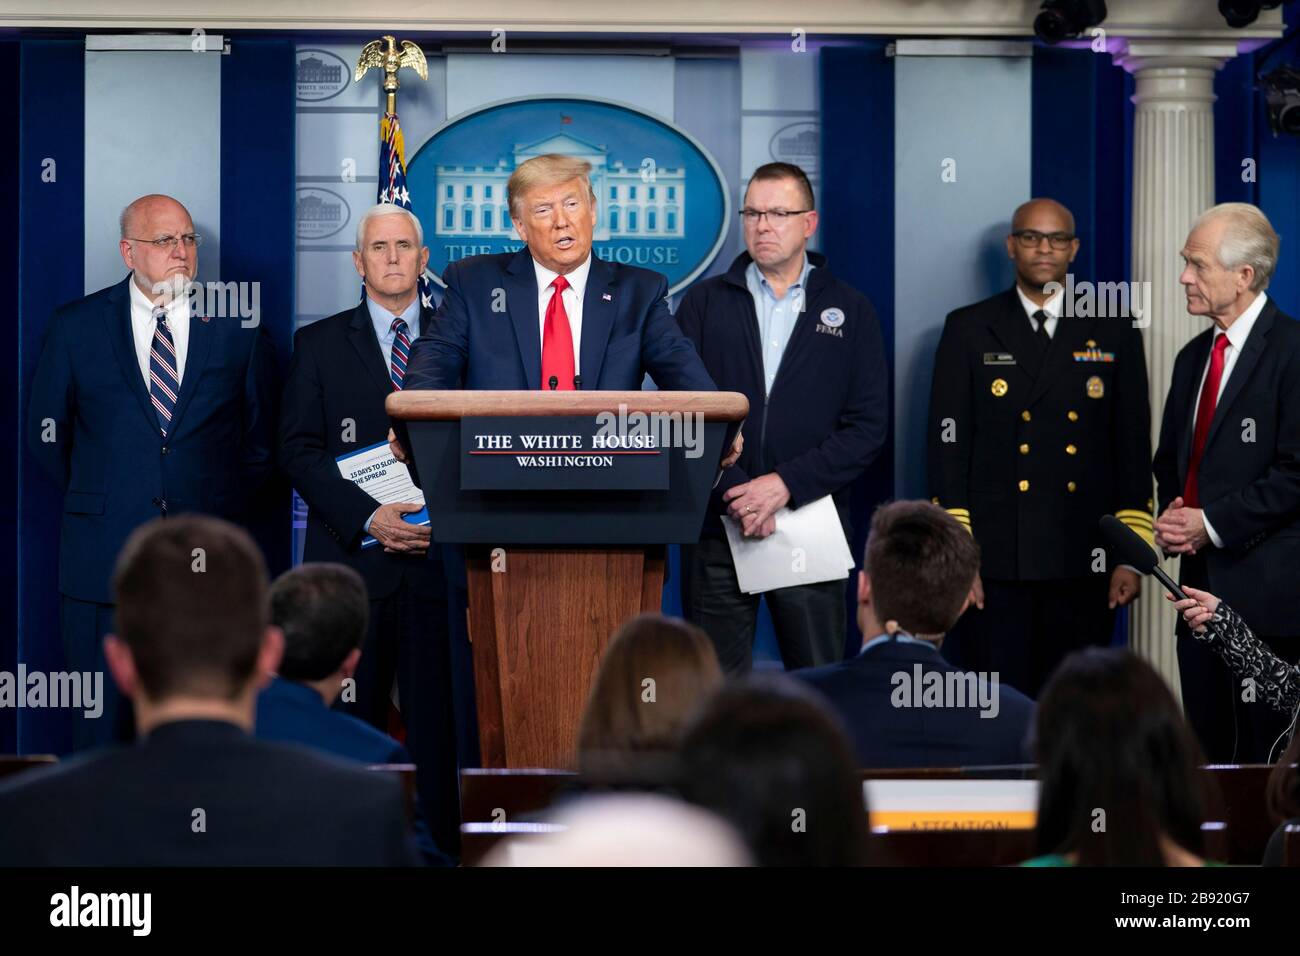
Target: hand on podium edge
<point>395,447</point>
<point>733,455</point>
<point>398,536</point>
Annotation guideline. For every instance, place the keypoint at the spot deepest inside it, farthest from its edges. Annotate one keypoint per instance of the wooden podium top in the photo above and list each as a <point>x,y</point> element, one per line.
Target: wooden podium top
<point>440,405</point>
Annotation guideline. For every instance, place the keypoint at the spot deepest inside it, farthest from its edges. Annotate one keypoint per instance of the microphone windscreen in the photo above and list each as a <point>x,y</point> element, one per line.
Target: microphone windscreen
<point>1126,546</point>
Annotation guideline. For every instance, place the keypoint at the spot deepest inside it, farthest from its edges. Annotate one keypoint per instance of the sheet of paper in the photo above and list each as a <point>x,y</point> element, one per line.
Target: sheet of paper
<point>807,547</point>
<point>384,478</point>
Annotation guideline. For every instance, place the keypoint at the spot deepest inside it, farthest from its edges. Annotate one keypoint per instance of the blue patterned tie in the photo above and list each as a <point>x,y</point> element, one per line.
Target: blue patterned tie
<point>401,352</point>
<point>164,382</point>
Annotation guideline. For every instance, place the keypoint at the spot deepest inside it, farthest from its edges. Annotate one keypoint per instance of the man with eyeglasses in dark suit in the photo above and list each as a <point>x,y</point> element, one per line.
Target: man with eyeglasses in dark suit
<point>143,405</point>
<point>1040,423</point>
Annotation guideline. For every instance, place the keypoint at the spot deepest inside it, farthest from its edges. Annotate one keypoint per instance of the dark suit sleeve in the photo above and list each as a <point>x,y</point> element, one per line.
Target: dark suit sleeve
<point>1272,499</point>
<point>258,443</point>
<point>950,430</point>
<point>667,354</point>
<point>53,404</point>
<point>439,355</point>
<point>860,431</point>
<point>1165,462</point>
<point>1131,434</point>
<point>690,319</point>
<point>304,451</point>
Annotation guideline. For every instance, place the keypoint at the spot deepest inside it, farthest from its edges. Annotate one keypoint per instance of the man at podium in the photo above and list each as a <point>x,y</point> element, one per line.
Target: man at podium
<point>552,315</point>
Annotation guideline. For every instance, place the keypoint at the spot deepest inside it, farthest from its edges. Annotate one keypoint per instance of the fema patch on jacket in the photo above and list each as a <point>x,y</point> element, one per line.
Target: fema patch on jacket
<point>831,320</point>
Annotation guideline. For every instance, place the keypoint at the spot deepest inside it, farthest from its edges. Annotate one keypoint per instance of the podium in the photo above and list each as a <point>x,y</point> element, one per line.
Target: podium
<point>565,503</point>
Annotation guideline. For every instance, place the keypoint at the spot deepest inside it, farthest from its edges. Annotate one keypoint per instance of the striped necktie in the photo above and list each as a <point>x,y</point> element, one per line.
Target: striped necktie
<point>401,352</point>
<point>164,381</point>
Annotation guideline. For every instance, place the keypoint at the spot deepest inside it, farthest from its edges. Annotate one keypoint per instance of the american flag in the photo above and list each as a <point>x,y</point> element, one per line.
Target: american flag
<point>392,182</point>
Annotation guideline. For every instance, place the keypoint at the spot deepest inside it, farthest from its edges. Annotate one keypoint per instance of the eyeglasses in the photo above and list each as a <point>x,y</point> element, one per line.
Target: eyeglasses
<point>776,217</point>
<point>191,239</point>
<point>1030,238</point>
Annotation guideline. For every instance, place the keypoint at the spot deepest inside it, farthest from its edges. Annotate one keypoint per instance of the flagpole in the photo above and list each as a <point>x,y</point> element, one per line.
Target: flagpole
<point>386,55</point>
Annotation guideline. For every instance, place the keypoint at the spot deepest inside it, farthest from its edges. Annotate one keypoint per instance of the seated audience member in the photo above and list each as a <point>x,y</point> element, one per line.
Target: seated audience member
<point>323,611</point>
<point>627,829</point>
<point>192,647</point>
<point>766,755</point>
<point>903,704</point>
<point>1118,767</point>
<point>655,673</point>
<point>1277,683</point>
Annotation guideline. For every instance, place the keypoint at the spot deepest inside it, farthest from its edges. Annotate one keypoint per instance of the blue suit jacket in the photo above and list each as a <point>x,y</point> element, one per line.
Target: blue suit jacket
<point>884,735</point>
<point>480,340</point>
<point>108,454</point>
<point>294,713</point>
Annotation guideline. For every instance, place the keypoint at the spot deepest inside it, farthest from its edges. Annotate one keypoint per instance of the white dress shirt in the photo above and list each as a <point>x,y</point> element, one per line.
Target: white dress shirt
<point>143,325</point>
<point>1237,334</point>
<point>572,300</point>
<point>1052,307</point>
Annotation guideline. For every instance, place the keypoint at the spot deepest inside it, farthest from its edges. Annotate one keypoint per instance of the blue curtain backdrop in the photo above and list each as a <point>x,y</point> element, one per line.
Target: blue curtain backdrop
<point>50,272</point>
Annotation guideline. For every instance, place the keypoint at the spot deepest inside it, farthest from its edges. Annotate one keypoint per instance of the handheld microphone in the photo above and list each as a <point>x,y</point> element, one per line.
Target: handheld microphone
<point>554,383</point>
<point>577,382</point>
<point>1126,547</point>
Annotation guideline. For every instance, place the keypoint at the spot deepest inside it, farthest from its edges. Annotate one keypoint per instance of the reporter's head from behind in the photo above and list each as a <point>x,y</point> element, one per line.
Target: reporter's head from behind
<point>192,647</point>
<point>917,573</point>
<point>655,674</point>
<point>916,580</point>
<point>323,610</point>
<point>1117,767</point>
<point>194,640</point>
<point>767,756</point>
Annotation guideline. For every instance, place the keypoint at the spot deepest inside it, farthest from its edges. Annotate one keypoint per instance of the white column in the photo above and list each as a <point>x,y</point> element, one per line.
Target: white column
<point>1173,183</point>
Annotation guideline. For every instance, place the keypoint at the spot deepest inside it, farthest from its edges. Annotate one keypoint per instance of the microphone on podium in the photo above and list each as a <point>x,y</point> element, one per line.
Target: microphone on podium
<point>1126,547</point>
<point>553,383</point>
<point>577,382</point>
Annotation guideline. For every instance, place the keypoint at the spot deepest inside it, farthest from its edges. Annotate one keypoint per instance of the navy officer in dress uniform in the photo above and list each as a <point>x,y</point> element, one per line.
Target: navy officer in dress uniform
<point>1040,423</point>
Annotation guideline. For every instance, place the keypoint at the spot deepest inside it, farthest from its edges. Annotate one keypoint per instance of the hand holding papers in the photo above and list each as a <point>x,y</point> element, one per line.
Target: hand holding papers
<point>807,547</point>
<point>379,474</point>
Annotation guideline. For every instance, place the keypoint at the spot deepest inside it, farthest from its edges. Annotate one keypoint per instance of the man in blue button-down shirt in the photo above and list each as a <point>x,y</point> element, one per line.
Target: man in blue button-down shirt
<point>805,349</point>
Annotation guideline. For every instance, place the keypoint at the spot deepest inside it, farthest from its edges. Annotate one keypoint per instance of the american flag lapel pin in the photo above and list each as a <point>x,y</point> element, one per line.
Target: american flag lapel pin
<point>607,297</point>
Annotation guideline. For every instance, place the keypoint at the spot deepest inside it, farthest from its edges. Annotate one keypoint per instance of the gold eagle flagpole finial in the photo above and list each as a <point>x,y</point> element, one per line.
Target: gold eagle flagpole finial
<point>384,54</point>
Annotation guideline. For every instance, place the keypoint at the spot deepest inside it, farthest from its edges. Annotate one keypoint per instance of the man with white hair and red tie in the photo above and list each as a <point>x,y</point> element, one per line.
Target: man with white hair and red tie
<point>1228,471</point>
<point>343,368</point>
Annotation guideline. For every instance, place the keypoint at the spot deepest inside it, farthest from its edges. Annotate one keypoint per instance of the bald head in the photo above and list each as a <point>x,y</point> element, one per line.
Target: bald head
<point>1048,214</point>
<point>146,208</point>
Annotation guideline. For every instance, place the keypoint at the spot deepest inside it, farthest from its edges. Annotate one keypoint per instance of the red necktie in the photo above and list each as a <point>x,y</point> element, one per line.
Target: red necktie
<point>557,342</point>
<point>1204,416</point>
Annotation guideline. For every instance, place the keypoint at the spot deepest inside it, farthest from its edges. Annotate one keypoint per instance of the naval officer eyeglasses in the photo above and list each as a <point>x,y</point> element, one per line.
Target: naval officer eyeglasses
<point>191,239</point>
<point>1030,238</point>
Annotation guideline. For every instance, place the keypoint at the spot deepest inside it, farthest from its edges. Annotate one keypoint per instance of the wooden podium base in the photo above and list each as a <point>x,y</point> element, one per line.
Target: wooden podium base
<point>539,619</point>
